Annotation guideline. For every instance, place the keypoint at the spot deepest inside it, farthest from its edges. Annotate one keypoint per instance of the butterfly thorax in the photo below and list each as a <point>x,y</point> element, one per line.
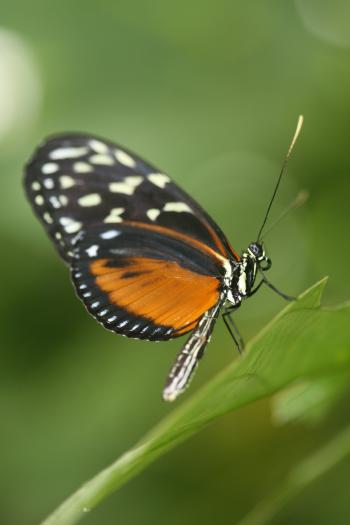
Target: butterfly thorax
<point>245,272</point>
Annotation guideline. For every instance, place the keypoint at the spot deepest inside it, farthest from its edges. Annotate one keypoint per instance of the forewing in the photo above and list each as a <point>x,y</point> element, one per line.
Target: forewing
<point>145,284</point>
<point>75,182</point>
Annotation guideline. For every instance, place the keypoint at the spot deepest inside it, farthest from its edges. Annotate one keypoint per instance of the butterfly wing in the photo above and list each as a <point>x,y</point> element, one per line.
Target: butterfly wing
<point>143,282</point>
<point>147,261</point>
<point>75,182</point>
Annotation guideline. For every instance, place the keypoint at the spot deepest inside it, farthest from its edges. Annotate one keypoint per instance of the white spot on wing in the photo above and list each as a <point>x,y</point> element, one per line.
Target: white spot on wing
<point>114,215</point>
<point>49,167</point>
<point>68,153</point>
<point>110,234</point>
<point>82,167</point>
<point>73,227</point>
<point>124,158</point>
<point>105,160</point>
<point>177,206</point>
<point>55,202</point>
<point>49,184</point>
<point>158,179</point>
<point>153,213</point>
<point>48,218</point>
<point>92,250</point>
<point>92,199</point>
<point>70,225</point>
<point>76,238</point>
<point>128,185</point>
<point>35,186</point>
<point>98,146</point>
<point>39,200</point>
<point>66,181</point>
<point>63,200</point>
<point>95,304</point>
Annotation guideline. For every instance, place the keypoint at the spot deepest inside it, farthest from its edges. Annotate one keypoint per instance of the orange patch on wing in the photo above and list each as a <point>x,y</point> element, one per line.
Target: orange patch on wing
<point>160,290</point>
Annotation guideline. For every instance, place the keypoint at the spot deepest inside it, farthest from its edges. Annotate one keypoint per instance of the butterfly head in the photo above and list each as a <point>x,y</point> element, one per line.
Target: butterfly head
<point>253,259</point>
<point>256,252</point>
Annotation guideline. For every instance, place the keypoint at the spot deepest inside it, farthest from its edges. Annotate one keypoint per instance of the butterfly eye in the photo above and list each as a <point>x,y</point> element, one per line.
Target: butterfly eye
<point>256,249</point>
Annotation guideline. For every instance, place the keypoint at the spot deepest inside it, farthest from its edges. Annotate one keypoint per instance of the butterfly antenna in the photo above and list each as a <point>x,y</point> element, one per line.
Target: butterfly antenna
<point>299,200</point>
<point>291,146</point>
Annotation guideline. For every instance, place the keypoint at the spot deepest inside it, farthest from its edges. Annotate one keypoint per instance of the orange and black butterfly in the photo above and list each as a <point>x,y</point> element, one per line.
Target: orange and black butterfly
<point>146,260</point>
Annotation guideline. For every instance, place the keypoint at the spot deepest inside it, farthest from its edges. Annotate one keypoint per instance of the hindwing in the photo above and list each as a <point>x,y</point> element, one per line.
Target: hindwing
<point>143,283</point>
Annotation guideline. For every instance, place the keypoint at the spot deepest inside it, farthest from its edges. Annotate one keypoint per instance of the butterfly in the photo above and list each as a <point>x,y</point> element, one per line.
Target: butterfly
<point>145,258</point>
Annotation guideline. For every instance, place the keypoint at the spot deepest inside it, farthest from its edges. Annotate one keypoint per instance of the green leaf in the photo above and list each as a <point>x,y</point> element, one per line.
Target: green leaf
<point>302,341</point>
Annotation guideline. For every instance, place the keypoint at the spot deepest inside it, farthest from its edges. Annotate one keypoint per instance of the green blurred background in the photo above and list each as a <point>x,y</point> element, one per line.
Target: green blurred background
<point>210,92</point>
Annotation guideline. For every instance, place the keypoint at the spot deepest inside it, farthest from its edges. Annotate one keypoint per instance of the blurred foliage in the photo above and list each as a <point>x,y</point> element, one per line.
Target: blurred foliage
<point>301,476</point>
<point>293,345</point>
<point>309,401</point>
<point>210,92</point>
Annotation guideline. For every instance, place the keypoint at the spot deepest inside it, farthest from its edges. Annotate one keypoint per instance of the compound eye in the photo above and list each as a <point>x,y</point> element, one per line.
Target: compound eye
<point>256,249</point>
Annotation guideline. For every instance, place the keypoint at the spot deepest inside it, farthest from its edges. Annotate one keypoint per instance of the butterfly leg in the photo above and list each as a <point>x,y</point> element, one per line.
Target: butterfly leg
<point>233,329</point>
<point>187,360</point>
<point>272,287</point>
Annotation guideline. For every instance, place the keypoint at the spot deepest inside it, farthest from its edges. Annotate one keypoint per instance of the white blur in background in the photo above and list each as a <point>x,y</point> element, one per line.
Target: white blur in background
<point>20,85</point>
